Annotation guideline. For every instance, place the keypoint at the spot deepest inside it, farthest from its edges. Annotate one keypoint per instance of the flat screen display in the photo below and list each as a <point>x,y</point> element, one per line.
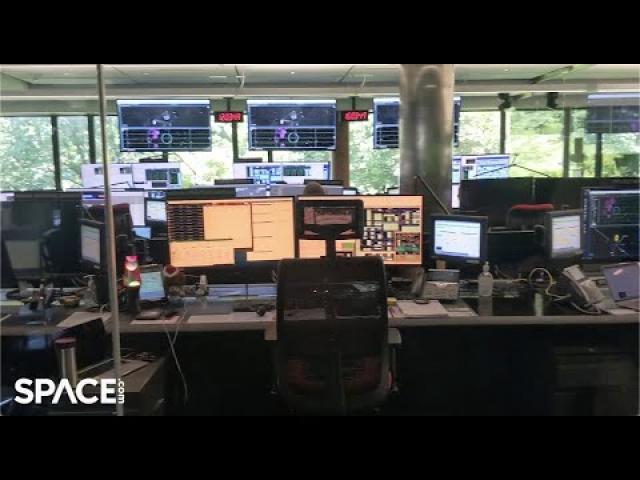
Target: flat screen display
<point>164,125</point>
<point>287,125</point>
<point>205,233</point>
<point>393,230</point>
<point>386,122</point>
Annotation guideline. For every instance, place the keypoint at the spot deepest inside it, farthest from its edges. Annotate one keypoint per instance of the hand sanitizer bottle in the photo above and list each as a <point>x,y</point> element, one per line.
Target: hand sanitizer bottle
<point>485,282</point>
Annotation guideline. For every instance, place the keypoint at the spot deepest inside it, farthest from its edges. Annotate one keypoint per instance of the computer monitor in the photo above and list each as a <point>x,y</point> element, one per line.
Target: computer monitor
<point>234,181</point>
<point>134,198</point>
<point>611,224</point>
<point>142,232</point>
<point>151,284</point>
<point>292,124</point>
<point>214,232</point>
<point>298,190</point>
<point>164,125</point>
<point>8,279</point>
<point>203,193</point>
<point>290,173</point>
<point>459,239</point>
<point>471,167</point>
<point>92,248</point>
<point>613,113</point>
<point>335,182</point>
<point>566,193</point>
<point>393,230</point>
<point>41,232</point>
<point>155,211</point>
<point>563,232</point>
<point>244,189</point>
<point>386,122</point>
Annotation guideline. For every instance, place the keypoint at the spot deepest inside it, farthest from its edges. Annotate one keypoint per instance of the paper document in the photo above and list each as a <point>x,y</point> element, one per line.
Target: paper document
<point>414,310</point>
<point>78,318</point>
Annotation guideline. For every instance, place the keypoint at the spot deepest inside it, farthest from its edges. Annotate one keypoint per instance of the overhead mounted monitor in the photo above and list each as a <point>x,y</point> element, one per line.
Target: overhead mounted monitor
<point>386,122</point>
<point>164,125</point>
<point>471,167</point>
<point>393,230</point>
<point>613,113</point>
<point>292,125</point>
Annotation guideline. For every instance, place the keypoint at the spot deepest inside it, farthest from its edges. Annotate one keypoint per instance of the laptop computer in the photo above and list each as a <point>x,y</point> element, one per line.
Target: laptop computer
<point>624,284</point>
<point>92,347</point>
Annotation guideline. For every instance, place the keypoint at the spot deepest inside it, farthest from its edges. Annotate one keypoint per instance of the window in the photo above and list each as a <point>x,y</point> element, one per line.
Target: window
<point>286,157</point>
<point>536,141</point>
<point>73,135</point>
<point>26,154</point>
<point>479,133</point>
<point>243,145</point>
<point>202,168</point>
<point>620,151</point>
<point>113,143</point>
<point>372,171</point>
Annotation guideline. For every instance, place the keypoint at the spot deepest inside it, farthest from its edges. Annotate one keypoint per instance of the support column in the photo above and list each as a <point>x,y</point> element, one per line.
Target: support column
<point>426,129</point>
<point>566,136</point>
<point>599,155</point>
<point>340,166</point>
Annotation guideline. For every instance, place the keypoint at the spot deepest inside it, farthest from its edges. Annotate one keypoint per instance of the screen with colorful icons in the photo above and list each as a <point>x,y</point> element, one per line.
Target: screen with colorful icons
<point>393,230</point>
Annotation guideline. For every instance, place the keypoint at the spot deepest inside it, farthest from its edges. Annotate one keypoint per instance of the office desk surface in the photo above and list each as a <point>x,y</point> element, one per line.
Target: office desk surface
<point>498,312</point>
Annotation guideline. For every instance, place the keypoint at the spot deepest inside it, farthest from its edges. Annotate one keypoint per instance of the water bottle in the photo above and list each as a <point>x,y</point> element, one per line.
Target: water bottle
<point>67,367</point>
<point>485,282</point>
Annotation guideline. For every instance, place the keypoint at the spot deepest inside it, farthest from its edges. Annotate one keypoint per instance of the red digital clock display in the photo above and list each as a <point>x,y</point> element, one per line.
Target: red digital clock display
<point>355,116</point>
<point>229,117</point>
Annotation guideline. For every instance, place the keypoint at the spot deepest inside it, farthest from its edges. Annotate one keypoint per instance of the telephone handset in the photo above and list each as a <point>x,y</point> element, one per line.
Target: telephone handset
<point>583,290</point>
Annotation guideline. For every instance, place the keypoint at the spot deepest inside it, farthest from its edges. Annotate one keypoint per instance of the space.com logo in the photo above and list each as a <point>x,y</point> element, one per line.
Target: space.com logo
<point>43,389</point>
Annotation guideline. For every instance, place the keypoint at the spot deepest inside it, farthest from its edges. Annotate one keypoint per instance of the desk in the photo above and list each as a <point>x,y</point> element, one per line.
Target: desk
<point>506,312</point>
<point>504,360</point>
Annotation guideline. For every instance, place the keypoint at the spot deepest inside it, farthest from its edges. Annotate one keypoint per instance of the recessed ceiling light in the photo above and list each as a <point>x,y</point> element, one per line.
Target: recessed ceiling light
<point>293,73</point>
<point>66,74</point>
<point>146,73</point>
<point>507,69</point>
<point>217,76</point>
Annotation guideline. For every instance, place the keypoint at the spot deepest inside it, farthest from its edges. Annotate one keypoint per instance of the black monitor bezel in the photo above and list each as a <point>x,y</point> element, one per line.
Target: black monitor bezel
<point>484,238</point>
<point>151,222</point>
<point>163,150</point>
<point>88,265</point>
<point>585,227</point>
<point>548,229</point>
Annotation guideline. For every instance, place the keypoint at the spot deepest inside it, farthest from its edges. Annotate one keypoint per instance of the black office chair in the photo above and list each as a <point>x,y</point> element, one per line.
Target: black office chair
<point>332,353</point>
